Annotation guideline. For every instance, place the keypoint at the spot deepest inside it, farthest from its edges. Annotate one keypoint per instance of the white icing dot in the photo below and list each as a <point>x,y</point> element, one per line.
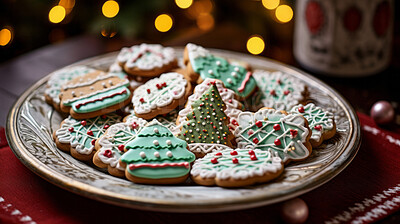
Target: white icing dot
<point>110,82</point>
<point>193,124</point>
<point>218,63</point>
<point>187,139</point>
<point>229,80</point>
<point>73,93</point>
<point>204,123</point>
<point>208,116</point>
<point>199,108</point>
<point>91,88</point>
<point>81,93</point>
<point>104,84</point>
<point>157,154</point>
<point>155,142</point>
<point>169,154</point>
<point>218,141</point>
<point>190,130</point>
<point>220,123</point>
<point>168,142</point>
<point>217,132</point>
<point>155,130</point>
<point>213,113</point>
<point>210,72</point>
<point>212,99</point>
<point>234,74</point>
<point>142,154</point>
<point>236,69</point>
<point>220,128</point>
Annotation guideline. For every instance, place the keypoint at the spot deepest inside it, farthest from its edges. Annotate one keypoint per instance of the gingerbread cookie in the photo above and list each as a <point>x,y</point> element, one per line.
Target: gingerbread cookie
<point>321,122</point>
<point>286,134</point>
<point>94,94</point>
<point>79,136</point>
<point>236,167</point>
<point>201,64</point>
<point>228,96</point>
<point>160,95</point>
<point>111,145</point>
<point>59,78</point>
<point>156,156</point>
<point>147,60</point>
<point>206,128</point>
<point>279,90</point>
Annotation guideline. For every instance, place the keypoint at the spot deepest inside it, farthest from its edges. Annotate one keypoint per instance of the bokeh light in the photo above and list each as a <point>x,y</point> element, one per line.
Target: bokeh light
<point>57,14</point>
<point>255,44</point>
<point>205,21</point>
<point>67,4</point>
<point>110,9</point>
<point>184,4</point>
<point>5,36</point>
<point>270,4</point>
<point>163,23</point>
<point>284,13</point>
<point>200,7</point>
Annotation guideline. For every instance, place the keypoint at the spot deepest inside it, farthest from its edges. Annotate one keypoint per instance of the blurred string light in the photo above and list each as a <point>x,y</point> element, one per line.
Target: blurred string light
<point>184,4</point>
<point>57,14</point>
<point>284,13</point>
<point>270,4</point>
<point>205,21</point>
<point>67,4</point>
<point>201,12</point>
<point>163,23</point>
<point>6,35</point>
<point>255,44</point>
<point>110,9</point>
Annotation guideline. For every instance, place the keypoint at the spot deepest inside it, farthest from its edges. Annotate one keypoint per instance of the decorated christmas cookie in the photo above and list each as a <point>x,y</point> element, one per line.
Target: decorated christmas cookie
<point>200,62</point>
<point>160,95</point>
<point>206,128</point>
<point>279,90</point>
<point>236,167</point>
<point>111,145</point>
<point>233,106</point>
<point>267,129</point>
<point>156,156</point>
<point>321,122</point>
<point>59,78</point>
<point>94,94</point>
<point>148,60</point>
<point>79,136</point>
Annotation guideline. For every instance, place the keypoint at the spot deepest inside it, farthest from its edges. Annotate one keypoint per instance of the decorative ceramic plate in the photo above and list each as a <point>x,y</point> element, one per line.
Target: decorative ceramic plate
<point>32,121</point>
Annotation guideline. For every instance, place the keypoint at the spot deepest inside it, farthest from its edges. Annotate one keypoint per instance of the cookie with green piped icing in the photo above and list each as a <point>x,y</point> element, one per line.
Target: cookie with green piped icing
<point>156,156</point>
<point>321,122</point>
<point>237,167</point>
<point>267,129</point>
<point>201,64</point>
<point>95,94</point>
<point>79,136</point>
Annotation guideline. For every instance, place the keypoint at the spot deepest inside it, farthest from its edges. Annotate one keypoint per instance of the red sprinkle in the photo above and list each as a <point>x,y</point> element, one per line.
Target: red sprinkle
<point>106,126</point>
<point>278,81</point>
<point>272,92</point>
<point>218,154</point>
<point>251,152</point>
<point>277,127</point>
<point>134,125</point>
<point>286,92</point>
<point>214,160</point>
<point>301,109</point>
<point>107,153</point>
<point>234,153</point>
<point>83,123</point>
<point>141,100</point>
<point>293,132</point>
<point>104,116</point>
<point>318,127</point>
<point>250,132</point>
<point>277,142</point>
<point>71,129</point>
<point>164,84</point>
<point>259,124</point>
<point>93,141</point>
<point>148,91</point>
<point>253,157</point>
<point>235,160</point>
<point>90,132</point>
<point>158,86</point>
<point>255,140</point>
<point>121,148</point>
<point>234,122</point>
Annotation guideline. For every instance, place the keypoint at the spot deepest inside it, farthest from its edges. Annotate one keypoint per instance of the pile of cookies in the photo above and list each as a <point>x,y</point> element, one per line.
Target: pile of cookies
<point>187,122</point>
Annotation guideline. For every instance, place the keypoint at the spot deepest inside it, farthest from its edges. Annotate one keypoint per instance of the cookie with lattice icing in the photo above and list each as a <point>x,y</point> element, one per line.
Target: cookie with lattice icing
<point>111,146</point>
<point>201,64</point>
<point>59,78</point>
<point>79,136</point>
<point>147,60</point>
<point>321,122</point>
<point>160,95</point>
<point>288,135</point>
<point>236,167</point>
<point>279,90</point>
<point>95,94</point>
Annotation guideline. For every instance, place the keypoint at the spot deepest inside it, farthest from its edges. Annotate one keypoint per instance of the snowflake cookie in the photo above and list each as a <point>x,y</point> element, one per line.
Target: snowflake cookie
<point>111,145</point>
<point>200,62</point>
<point>160,95</point>
<point>279,90</point>
<point>236,167</point>
<point>321,122</point>
<point>79,136</point>
<point>286,134</point>
<point>156,156</point>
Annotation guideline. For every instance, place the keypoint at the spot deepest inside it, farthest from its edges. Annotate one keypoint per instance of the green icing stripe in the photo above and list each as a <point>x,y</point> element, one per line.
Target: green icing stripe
<point>157,173</point>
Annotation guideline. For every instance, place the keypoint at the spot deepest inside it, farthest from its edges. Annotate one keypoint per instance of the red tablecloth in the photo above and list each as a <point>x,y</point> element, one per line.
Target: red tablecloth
<point>367,190</point>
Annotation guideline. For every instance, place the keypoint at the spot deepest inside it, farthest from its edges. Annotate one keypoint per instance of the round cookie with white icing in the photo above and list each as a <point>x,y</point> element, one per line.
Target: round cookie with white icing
<point>95,94</point>
<point>79,136</point>
<point>321,122</point>
<point>236,167</point>
<point>286,134</point>
<point>160,95</point>
<point>111,146</point>
<point>156,156</point>
<point>59,78</point>
<point>201,64</point>
<point>279,90</point>
<point>228,96</point>
<point>147,60</point>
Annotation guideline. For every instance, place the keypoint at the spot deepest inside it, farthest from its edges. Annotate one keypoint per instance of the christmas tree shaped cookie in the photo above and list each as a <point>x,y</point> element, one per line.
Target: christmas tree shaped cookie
<point>267,129</point>
<point>321,122</point>
<point>279,90</point>
<point>111,145</point>
<point>200,62</point>
<point>236,167</point>
<point>206,128</point>
<point>79,136</point>
<point>156,156</point>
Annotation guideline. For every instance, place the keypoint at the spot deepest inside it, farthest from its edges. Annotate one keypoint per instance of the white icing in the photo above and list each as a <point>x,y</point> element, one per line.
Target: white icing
<point>101,76</point>
<point>204,148</point>
<point>196,51</point>
<point>157,98</point>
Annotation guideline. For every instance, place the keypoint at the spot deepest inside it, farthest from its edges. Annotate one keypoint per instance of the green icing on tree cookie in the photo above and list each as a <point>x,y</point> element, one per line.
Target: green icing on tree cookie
<point>207,123</point>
